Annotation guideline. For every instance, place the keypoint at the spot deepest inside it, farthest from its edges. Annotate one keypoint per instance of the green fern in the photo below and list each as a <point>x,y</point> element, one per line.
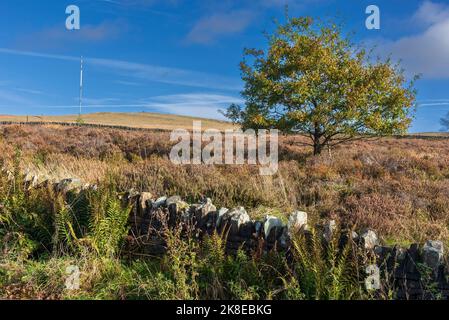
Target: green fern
<point>111,230</point>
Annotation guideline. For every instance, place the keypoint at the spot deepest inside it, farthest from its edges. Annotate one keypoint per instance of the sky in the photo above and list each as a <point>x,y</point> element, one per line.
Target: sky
<point>182,56</point>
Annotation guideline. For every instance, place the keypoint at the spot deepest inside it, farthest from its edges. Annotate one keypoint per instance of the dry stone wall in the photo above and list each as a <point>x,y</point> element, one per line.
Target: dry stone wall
<point>409,273</point>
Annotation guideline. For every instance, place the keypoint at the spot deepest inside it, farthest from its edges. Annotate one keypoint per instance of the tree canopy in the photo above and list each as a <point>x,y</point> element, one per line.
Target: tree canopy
<point>312,80</point>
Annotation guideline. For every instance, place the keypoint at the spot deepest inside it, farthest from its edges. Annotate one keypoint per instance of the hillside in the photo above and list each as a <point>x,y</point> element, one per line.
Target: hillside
<point>137,120</point>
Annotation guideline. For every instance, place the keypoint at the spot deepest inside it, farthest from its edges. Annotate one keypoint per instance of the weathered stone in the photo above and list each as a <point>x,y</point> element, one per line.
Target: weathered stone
<point>400,253</point>
<point>238,218</point>
<point>211,221</point>
<point>258,226</point>
<point>329,229</point>
<point>283,239</point>
<point>246,229</point>
<point>31,180</point>
<point>206,206</point>
<point>144,202</point>
<point>297,220</point>
<point>176,204</point>
<point>234,218</point>
<point>203,212</point>
<point>272,223</point>
<point>160,202</point>
<point>382,252</point>
<point>221,213</point>
<point>433,252</point>
<point>132,193</point>
<point>176,209</point>
<point>173,200</point>
<point>69,184</point>
<point>369,239</point>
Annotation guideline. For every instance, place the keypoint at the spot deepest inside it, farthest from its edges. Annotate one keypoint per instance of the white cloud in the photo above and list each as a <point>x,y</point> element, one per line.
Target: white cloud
<point>193,104</point>
<point>426,53</point>
<point>430,13</point>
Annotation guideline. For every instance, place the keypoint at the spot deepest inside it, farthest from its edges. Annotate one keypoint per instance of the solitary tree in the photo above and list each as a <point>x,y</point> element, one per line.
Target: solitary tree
<point>445,123</point>
<point>311,80</point>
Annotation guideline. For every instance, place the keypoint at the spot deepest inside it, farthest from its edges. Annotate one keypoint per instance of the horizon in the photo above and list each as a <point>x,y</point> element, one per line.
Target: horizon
<point>182,58</point>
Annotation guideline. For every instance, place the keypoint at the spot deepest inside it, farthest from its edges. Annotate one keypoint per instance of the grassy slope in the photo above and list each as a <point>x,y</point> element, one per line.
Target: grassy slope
<point>140,120</point>
<point>153,121</point>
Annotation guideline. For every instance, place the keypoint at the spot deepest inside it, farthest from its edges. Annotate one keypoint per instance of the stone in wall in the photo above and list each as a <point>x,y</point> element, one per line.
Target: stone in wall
<point>275,231</point>
<point>69,184</point>
<point>296,221</point>
<point>368,239</point>
<point>433,254</point>
<point>238,229</point>
<point>204,214</point>
<point>329,230</point>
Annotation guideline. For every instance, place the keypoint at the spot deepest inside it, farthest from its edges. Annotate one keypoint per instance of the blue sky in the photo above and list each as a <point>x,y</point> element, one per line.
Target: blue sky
<point>179,56</point>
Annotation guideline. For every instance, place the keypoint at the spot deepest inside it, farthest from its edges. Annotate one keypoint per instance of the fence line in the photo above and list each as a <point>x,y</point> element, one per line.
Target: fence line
<point>89,125</point>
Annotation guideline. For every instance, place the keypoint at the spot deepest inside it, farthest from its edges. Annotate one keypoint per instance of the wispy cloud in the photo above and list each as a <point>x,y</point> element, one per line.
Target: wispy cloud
<point>433,104</point>
<point>225,18</point>
<point>57,37</point>
<point>126,6</point>
<point>145,72</point>
<point>209,28</point>
<point>139,2</point>
<point>9,97</point>
<point>128,83</point>
<point>30,91</point>
<point>98,101</point>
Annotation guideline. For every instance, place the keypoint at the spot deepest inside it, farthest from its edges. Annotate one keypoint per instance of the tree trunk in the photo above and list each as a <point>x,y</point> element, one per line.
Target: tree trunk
<point>317,148</point>
<point>317,145</point>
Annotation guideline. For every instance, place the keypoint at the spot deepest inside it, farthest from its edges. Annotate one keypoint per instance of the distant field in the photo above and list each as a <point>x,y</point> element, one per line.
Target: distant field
<point>137,120</point>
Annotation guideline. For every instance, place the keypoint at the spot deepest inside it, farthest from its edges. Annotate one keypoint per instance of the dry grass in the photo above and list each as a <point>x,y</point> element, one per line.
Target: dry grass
<point>135,120</point>
<point>396,186</point>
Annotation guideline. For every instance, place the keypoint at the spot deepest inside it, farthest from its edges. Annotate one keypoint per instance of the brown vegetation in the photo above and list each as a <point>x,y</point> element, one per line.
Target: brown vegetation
<point>396,186</point>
